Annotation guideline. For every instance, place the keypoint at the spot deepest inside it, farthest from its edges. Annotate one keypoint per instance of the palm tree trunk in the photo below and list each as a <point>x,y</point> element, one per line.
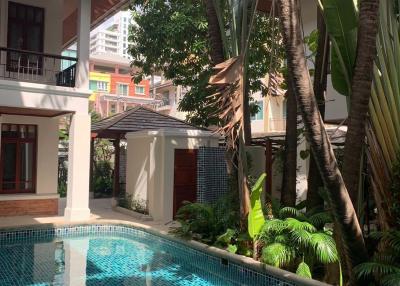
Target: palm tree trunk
<point>288,192</point>
<point>343,211</point>
<point>314,180</point>
<point>361,93</point>
<point>214,33</point>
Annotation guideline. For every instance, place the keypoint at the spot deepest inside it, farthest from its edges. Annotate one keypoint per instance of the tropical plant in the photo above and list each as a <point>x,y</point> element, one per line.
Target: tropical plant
<point>298,241</point>
<point>165,26</point>
<point>350,234</point>
<point>206,222</point>
<point>383,133</point>
<point>384,268</point>
<point>354,149</point>
<point>103,179</point>
<point>256,216</point>
<point>320,48</point>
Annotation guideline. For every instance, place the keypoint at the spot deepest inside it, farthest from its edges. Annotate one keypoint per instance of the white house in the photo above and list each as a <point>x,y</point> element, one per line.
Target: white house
<point>35,93</point>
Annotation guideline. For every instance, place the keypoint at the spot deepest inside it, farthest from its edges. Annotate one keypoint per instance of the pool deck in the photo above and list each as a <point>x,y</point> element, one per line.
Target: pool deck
<point>101,211</point>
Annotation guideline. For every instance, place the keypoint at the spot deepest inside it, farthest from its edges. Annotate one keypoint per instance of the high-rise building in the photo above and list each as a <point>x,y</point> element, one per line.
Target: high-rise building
<point>112,36</point>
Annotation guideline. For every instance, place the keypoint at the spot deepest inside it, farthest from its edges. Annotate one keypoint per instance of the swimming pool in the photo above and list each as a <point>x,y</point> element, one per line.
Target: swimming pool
<point>114,255</point>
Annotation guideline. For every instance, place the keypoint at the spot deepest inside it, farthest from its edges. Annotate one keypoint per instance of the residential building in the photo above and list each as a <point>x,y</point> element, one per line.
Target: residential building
<point>271,115</point>
<point>168,96</point>
<point>113,89</point>
<point>35,92</point>
<point>112,37</point>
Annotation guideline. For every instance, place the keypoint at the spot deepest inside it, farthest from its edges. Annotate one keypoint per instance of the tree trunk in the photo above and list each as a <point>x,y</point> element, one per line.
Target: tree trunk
<point>314,181</point>
<point>214,33</point>
<point>360,96</point>
<point>288,191</point>
<point>246,118</point>
<point>339,199</point>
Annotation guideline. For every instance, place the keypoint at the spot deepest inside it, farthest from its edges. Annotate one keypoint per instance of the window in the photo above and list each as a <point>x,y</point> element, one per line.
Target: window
<point>102,86</point>
<point>113,108</point>
<point>165,97</point>
<point>284,108</point>
<point>260,114</point>
<point>139,89</point>
<point>122,89</point>
<point>18,158</point>
<point>25,32</point>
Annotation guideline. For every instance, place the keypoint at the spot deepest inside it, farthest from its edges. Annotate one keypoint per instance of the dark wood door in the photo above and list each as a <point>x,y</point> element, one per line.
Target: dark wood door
<point>185,177</point>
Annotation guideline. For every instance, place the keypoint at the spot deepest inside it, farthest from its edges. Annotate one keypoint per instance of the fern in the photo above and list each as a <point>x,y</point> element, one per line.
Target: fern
<point>304,270</point>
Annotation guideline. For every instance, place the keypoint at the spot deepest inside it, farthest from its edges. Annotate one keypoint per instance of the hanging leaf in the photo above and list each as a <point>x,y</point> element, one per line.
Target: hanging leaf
<point>303,270</point>
<point>256,216</point>
<point>341,18</point>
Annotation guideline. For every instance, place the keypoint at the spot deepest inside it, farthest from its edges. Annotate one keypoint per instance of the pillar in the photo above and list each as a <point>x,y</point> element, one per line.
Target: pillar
<point>83,38</point>
<point>117,154</point>
<point>78,169</point>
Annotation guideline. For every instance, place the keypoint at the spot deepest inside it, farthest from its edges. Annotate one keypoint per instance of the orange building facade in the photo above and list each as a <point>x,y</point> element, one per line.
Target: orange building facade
<point>113,88</point>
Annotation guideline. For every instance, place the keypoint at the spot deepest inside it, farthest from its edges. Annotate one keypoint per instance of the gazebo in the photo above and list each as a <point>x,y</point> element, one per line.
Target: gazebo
<point>137,119</point>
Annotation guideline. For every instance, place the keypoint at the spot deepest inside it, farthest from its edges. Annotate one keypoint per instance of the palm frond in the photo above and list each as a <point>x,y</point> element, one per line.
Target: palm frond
<point>320,219</point>
<point>290,212</point>
<point>369,269</point>
<point>278,254</point>
<point>301,238</point>
<point>324,247</point>
<point>391,280</point>
<point>295,224</point>
<point>304,270</point>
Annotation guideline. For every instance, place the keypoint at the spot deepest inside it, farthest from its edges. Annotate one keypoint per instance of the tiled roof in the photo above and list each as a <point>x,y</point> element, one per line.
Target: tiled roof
<point>139,119</point>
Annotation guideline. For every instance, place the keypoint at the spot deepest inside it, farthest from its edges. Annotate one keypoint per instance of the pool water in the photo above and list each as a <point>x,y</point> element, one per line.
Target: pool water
<point>116,259</point>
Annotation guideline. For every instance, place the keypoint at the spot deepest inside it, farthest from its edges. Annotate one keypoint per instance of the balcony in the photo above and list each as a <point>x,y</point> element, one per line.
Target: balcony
<point>28,66</point>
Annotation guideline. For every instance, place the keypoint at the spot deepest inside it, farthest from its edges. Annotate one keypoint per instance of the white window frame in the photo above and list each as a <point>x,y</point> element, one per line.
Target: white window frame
<point>141,93</point>
<point>101,84</point>
<point>127,88</point>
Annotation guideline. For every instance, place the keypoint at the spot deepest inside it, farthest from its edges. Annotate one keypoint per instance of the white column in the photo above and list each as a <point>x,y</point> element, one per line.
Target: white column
<point>83,38</point>
<point>78,169</point>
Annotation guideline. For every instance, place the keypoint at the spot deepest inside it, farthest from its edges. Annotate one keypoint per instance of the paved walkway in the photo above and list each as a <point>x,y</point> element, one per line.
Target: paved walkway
<point>101,210</point>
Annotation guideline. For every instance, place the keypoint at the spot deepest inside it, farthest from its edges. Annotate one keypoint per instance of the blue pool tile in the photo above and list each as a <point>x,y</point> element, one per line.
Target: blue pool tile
<point>113,255</point>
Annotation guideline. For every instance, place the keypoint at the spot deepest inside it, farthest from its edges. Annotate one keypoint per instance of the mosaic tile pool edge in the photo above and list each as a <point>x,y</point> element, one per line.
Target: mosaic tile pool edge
<point>187,254</point>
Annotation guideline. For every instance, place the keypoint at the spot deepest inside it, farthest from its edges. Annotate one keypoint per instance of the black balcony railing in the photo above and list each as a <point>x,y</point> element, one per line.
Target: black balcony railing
<point>37,67</point>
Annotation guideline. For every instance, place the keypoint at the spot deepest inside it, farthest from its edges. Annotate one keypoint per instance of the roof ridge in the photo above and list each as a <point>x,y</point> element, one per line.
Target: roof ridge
<point>174,118</point>
<point>118,117</point>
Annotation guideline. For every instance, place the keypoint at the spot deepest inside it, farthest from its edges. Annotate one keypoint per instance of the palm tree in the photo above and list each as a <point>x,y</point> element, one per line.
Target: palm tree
<point>342,209</point>
<point>214,33</point>
<point>314,180</point>
<point>360,96</point>
<point>288,191</point>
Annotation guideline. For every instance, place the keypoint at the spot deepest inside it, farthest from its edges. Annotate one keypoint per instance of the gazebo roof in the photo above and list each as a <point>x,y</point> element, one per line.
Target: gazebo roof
<point>137,119</point>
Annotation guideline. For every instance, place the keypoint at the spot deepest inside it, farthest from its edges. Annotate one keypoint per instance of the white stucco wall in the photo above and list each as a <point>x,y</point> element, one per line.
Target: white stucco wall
<point>150,165</point>
<point>47,150</point>
<point>336,107</point>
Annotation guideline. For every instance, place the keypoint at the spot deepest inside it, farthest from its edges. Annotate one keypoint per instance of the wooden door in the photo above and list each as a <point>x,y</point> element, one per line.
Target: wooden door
<point>185,177</point>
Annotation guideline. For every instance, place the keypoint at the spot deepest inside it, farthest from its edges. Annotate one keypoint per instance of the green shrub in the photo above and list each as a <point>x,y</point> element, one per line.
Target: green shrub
<point>206,222</point>
<point>103,179</point>
<point>298,241</point>
<point>384,267</point>
<point>131,203</point>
